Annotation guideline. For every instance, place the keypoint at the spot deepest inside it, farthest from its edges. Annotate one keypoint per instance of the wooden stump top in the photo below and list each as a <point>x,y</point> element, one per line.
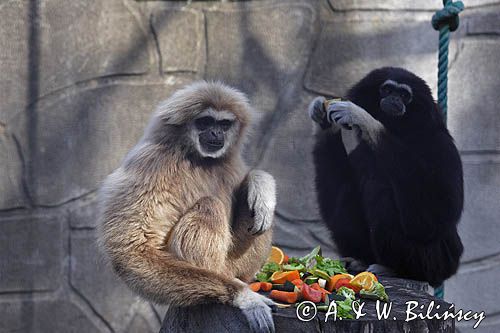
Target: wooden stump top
<point>223,318</point>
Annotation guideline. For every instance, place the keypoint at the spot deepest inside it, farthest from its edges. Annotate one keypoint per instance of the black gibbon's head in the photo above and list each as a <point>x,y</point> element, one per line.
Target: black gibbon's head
<point>396,97</point>
<point>203,120</point>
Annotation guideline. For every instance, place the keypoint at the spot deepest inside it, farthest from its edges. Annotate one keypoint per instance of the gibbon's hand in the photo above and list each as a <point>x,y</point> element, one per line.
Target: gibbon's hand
<point>257,309</point>
<point>261,200</point>
<point>350,115</point>
<point>317,112</point>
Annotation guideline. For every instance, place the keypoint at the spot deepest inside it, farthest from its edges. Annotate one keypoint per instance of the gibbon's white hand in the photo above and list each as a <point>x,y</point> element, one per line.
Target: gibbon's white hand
<point>351,116</point>
<point>261,200</point>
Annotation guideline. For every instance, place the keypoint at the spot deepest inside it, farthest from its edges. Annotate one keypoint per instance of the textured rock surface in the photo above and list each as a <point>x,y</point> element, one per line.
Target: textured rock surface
<point>473,119</point>
<point>80,79</point>
<point>179,54</point>
<point>105,122</point>
<point>40,316</point>
<point>11,169</point>
<point>31,250</point>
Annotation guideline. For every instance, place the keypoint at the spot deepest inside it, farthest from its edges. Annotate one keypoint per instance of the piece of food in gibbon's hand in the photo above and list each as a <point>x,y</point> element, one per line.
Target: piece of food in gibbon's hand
<point>329,101</point>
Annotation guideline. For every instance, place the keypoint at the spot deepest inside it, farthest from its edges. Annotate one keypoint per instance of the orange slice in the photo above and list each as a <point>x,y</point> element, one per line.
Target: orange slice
<point>363,280</point>
<point>282,277</point>
<point>277,256</point>
<point>330,284</point>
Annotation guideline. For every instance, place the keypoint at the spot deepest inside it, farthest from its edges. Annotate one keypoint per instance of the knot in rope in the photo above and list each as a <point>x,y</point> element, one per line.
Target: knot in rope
<point>448,15</point>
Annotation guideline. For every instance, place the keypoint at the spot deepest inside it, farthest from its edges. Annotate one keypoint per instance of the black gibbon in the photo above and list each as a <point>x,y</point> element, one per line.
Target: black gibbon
<point>389,177</point>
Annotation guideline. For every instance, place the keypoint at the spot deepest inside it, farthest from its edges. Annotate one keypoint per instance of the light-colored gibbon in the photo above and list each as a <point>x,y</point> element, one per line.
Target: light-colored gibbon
<point>183,220</point>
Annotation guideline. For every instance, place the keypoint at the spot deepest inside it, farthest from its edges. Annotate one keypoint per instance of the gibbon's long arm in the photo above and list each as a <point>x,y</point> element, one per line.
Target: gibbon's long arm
<point>251,226</point>
<point>409,177</point>
<point>163,278</point>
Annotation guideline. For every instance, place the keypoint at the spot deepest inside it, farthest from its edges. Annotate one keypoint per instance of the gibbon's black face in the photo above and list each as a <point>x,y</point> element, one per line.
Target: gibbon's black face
<point>214,132</point>
<point>395,97</point>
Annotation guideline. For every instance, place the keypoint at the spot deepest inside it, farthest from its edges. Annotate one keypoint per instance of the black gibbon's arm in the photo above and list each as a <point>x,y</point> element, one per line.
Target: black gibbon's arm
<point>418,186</point>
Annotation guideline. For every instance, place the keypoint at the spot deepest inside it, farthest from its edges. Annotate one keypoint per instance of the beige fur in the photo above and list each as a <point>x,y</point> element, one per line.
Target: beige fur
<point>176,228</point>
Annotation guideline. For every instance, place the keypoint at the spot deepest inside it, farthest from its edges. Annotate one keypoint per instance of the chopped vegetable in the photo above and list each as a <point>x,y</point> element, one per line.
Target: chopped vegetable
<point>306,260</point>
<point>281,277</point>
<point>347,293</point>
<point>287,286</point>
<point>329,266</point>
<point>266,271</point>
<point>294,267</point>
<point>310,294</point>
<point>266,286</point>
<point>344,309</point>
<point>330,284</point>
<point>344,282</point>
<point>255,286</point>
<point>376,293</point>
<point>284,296</point>
<point>316,286</point>
<point>311,279</point>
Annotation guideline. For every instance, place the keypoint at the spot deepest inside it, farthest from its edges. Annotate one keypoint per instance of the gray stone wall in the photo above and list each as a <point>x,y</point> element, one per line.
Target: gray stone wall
<point>79,80</point>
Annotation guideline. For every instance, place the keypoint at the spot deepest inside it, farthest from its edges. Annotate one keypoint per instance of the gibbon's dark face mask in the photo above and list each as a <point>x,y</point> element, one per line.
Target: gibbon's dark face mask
<point>212,132</point>
<point>395,97</point>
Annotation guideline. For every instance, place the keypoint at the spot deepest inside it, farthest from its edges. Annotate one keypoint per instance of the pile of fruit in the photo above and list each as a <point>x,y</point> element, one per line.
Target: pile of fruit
<point>317,279</point>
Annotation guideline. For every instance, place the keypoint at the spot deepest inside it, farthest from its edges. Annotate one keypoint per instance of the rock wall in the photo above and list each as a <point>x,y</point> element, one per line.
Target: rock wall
<point>80,79</point>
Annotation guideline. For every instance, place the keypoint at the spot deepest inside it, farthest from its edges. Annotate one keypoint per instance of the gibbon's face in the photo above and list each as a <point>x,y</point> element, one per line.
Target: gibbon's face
<point>213,132</point>
<point>395,97</point>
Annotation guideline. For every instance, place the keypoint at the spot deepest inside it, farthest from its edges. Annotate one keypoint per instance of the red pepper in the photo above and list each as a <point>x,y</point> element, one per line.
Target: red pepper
<point>316,286</point>
<point>344,283</point>
<point>310,294</point>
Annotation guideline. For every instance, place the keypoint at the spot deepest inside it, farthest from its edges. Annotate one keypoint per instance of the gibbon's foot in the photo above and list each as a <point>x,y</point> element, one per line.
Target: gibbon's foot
<point>381,270</point>
<point>354,266</point>
<point>257,309</point>
<point>261,200</point>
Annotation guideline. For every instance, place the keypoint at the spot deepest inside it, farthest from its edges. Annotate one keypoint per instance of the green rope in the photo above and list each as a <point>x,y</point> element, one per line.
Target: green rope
<point>445,21</point>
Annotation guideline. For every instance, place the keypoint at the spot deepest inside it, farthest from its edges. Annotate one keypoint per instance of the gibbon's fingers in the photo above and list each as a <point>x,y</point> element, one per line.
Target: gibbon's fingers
<point>257,309</point>
<point>317,111</point>
<point>203,236</point>
<point>261,200</point>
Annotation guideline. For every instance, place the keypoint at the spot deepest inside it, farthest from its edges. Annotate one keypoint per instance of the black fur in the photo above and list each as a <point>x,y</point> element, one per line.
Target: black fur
<point>397,204</point>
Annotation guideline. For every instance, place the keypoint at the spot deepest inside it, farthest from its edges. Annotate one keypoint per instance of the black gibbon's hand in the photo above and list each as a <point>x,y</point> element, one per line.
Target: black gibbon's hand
<point>261,200</point>
<point>257,309</point>
<point>317,112</point>
<point>350,115</point>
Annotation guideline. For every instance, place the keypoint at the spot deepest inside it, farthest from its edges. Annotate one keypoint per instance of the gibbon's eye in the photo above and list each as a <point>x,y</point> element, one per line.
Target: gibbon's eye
<point>225,124</point>
<point>406,96</point>
<point>204,122</point>
<point>385,90</point>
